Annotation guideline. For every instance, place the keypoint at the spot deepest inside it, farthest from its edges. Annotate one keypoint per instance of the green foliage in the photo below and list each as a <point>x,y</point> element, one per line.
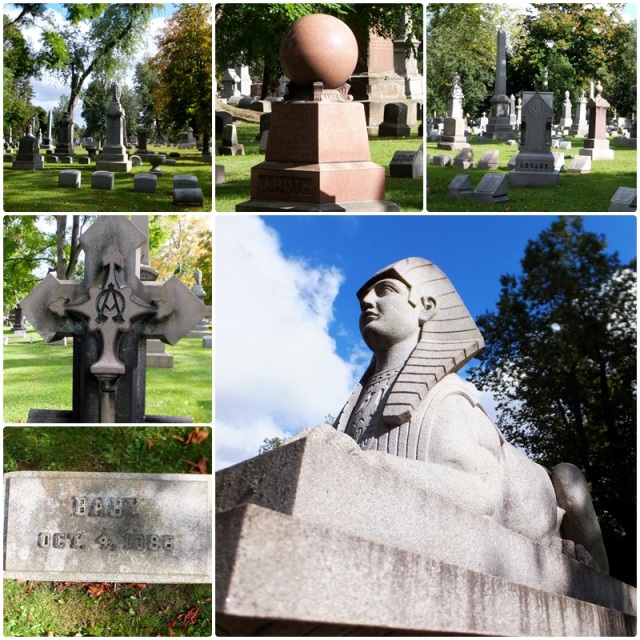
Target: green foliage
<point>560,361</point>
<point>145,85</point>
<point>25,247</point>
<point>578,43</point>
<point>95,100</point>
<point>269,444</point>
<point>183,93</point>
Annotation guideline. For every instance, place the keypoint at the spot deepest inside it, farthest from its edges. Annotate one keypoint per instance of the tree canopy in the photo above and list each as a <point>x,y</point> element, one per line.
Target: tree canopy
<point>560,359</point>
<point>575,43</point>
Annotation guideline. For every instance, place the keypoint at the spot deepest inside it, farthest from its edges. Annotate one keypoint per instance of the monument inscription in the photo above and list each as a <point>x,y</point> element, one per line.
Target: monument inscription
<point>107,527</point>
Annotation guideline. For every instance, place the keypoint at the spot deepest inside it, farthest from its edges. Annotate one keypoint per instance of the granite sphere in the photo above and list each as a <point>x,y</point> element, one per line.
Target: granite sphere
<point>319,48</point>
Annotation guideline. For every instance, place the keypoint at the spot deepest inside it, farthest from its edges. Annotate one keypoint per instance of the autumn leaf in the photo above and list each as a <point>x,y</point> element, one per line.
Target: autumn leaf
<point>197,436</point>
<point>177,437</point>
<point>201,466</point>
<point>149,444</point>
<point>97,589</point>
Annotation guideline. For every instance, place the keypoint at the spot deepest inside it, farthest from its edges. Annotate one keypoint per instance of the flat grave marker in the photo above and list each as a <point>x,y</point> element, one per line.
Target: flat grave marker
<point>108,527</point>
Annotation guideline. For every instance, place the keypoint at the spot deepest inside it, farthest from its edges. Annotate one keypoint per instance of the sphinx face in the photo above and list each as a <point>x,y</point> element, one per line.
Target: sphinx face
<point>387,317</point>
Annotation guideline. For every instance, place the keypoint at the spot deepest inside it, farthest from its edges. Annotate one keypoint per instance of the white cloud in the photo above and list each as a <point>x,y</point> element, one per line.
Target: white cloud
<point>277,370</point>
<point>485,398</point>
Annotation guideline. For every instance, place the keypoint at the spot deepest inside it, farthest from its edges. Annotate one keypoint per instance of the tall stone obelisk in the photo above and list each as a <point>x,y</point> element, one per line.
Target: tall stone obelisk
<point>499,127</point>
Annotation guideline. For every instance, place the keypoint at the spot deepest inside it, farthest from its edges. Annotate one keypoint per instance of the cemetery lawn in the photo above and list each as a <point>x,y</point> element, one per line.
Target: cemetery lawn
<point>37,375</point>
<point>407,193</point>
<point>104,609</point>
<point>588,192</point>
<point>35,191</point>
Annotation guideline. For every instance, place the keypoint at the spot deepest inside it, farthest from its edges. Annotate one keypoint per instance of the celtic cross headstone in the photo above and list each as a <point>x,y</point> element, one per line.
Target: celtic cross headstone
<point>110,314</point>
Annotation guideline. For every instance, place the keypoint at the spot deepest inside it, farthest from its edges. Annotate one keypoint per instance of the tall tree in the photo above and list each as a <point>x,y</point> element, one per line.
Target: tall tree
<point>184,93</point>
<point>145,85</point>
<point>95,99</point>
<point>74,53</point>
<point>560,361</point>
<point>26,15</point>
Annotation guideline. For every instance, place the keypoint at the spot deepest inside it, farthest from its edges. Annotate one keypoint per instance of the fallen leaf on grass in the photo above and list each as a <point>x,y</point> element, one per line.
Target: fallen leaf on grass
<point>201,466</point>
<point>96,589</point>
<point>197,436</point>
<point>177,437</point>
<point>49,634</point>
<point>149,444</point>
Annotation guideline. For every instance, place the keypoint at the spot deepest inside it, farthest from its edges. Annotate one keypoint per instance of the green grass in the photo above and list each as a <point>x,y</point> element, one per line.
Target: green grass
<point>38,375</point>
<point>38,190</point>
<point>576,192</point>
<point>67,609</point>
<point>237,186</point>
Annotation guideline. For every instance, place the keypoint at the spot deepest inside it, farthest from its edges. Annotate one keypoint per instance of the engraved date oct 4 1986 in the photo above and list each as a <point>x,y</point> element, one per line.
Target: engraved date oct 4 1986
<point>132,541</point>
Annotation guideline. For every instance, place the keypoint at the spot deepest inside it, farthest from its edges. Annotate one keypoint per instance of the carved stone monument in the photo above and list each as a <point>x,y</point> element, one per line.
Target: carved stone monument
<point>453,136</point>
<point>64,146</point>
<point>47,143</point>
<point>535,165</point>
<point>566,121</point>
<point>28,158</point>
<point>107,527</point>
<point>596,144</point>
<point>110,314</point>
<point>499,126</point>
<point>415,499</point>
<point>318,156</point>
<point>114,155</point>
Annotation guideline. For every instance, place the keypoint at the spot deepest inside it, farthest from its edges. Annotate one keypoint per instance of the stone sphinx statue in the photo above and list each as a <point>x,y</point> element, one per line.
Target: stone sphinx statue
<point>411,405</point>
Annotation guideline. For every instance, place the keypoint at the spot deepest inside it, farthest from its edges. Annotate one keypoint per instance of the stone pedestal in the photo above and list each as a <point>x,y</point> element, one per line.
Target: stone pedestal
<point>580,126</point>
<point>453,137</point>
<point>320,538</point>
<point>499,126</point>
<point>596,145</point>
<point>317,156</point>
<point>566,121</point>
<point>114,155</point>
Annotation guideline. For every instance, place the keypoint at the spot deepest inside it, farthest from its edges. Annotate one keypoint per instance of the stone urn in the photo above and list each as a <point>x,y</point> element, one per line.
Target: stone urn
<point>156,160</point>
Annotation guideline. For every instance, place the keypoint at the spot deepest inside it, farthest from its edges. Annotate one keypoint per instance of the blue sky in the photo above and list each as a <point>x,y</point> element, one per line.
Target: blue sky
<point>288,349</point>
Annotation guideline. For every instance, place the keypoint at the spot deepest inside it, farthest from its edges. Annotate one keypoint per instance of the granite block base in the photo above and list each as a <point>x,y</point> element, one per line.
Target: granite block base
<point>598,154</point>
<point>61,416</point>
<point>364,206</point>
<point>117,166</point>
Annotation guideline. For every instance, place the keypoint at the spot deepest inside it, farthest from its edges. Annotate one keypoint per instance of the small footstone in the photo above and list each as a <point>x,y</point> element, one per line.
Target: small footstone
<point>145,183</point>
<point>136,161</point>
<point>492,189</point>
<point>103,180</point>
<point>441,161</point>
<point>54,159</point>
<point>182,181</point>
<point>624,199</point>
<point>66,159</point>
<point>460,187</point>
<point>220,174</point>
<point>188,197</point>
<point>84,160</point>
<point>169,162</point>
<point>69,178</point>
<point>206,342</point>
<point>489,160</point>
<point>580,164</point>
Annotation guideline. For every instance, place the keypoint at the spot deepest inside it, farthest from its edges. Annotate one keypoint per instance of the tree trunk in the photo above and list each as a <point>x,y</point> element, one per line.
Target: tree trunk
<point>61,232</point>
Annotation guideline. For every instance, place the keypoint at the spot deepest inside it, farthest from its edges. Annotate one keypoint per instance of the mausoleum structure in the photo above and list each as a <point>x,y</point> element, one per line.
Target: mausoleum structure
<point>412,515</point>
<point>317,156</point>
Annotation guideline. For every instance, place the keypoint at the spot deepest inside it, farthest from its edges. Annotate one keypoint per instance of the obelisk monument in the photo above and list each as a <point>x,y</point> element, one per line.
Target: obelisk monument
<point>499,127</point>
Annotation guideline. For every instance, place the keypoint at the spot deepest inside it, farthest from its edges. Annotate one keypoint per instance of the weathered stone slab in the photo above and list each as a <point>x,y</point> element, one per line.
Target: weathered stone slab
<point>70,179</point>
<point>492,189</point>
<point>580,164</point>
<point>107,527</point>
<point>441,161</point>
<point>489,160</point>
<point>188,197</point>
<point>406,164</point>
<point>624,199</point>
<point>460,187</point>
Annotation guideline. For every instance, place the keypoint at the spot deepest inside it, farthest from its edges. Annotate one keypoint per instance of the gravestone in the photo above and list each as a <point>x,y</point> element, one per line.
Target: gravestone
<point>624,200</point>
<point>441,161</point>
<point>513,118</point>
<point>64,146</point>
<point>18,329</point>
<point>54,159</point>
<point>265,120</point>
<point>596,144</point>
<point>230,84</point>
<point>580,126</point>
<point>566,121</point>
<point>230,146</point>
<point>580,164</point>
<point>318,158</point>
<point>70,179</point>
<point>489,160</point>
<point>453,136</point>
<point>145,183</point>
<point>262,106</point>
<point>460,187</point>
<point>107,527</point>
<point>141,148</point>
<point>394,123</point>
<point>220,174</point>
<point>114,155</point>
<point>222,120</point>
<point>110,314</point>
<point>28,158</point>
<point>189,197</point>
<point>187,141</point>
<point>264,142</point>
<point>105,180</point>
<point>47,142</point>
<point>499,125</point>
<point>518,114</point>
<point>558,160</point>
<point>464,160</point>
<point>491,189</point>
<point>407,164</point>
<point>535,166</point>
<point>201,329</point>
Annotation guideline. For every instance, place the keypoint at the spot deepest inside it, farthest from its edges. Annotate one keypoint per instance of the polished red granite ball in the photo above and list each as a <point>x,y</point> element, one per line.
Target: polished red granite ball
<point>319,48</point>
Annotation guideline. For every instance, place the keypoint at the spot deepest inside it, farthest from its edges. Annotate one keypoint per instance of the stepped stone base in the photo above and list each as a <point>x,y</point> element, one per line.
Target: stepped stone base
<point>318,537</point>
